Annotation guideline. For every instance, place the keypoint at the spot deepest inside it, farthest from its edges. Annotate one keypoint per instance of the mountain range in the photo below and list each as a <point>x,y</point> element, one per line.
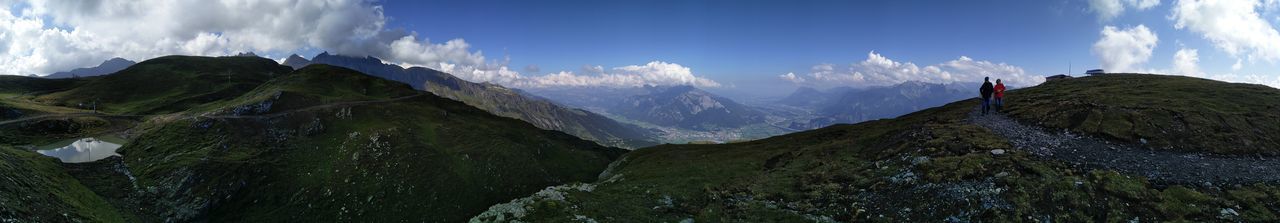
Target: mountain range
<point>496,99</point>
<point>850,105</point>
<point>686,107</point>
<point>110,66</point>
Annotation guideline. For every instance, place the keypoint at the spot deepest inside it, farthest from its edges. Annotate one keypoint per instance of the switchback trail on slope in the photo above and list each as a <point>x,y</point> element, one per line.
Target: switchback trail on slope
<point>65,115</point>
<point>1157,165</point>
<point>266,116</point>
<point>316,107</point>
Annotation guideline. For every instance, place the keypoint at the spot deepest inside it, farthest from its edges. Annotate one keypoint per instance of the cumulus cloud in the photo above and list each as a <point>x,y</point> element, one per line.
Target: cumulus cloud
<point>1143,4</point>
<point>879,70</point>
<point>1110,9</point>
<point>44,36</point>
<point>1234,27</point>
<point>652,73</point>
<point>1269,80</point>
<point>792,77</point>
<point>1186,62</point>
<point>1106,9</point>
<point>1125,50</point>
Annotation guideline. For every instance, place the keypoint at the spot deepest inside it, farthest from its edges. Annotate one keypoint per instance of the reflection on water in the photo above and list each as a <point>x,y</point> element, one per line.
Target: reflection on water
<point>81,150</point>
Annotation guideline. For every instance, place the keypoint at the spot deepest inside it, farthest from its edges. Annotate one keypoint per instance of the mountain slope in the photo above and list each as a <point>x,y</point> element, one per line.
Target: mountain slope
<point>886,102</point>
<point>686,107</point>
<point>1168,112</point>
<point>332,152</point>
<point>502,101</point>
<point>37,189</point>
<point>107,67</point>
<point>168,84</point>
<point>933,165</point>
<point>805,97</point>
<point>295,61</point>
<point>16,93</point>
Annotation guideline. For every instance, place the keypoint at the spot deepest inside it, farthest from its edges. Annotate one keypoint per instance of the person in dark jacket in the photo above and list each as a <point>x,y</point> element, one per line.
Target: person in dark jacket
<point>986,91</point>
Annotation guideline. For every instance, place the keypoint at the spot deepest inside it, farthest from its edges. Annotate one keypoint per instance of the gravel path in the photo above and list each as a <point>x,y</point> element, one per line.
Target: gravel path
<point>1158,166</point>
<point>66,115</point>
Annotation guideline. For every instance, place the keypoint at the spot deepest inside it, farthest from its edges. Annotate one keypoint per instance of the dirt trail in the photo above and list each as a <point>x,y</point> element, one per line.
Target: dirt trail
<point>1158,166</point>
<point>266,116</point>
<point>65,115</point>
<point>312,108</point>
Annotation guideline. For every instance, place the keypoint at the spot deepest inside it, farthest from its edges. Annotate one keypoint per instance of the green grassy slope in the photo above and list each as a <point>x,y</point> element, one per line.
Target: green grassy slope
<point>423,158</point>
<point>931,165</point>
<point>169,84</point>
<point>311,85</point>
<point>36,189</point>
<point>21,84</point>
<point>543,113</point>
<point>1174,112</point>
<point>17,92</point>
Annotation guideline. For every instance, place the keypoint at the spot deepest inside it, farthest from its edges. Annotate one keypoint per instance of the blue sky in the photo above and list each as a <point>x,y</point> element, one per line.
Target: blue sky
<point>751,42</point>
<point>744,40</point>
<point>728,46</point>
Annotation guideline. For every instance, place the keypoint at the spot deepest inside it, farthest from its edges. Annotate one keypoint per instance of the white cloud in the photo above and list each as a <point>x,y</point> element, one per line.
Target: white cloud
<point>1186,62</point>
<point>51,36</point>
<point>1237,65</point>
<point>1269,80</point>
<point>792,77</point>
<point>1110,9</point>
<point>1125,50</point>
<point>1106,9</point>
<point>1143,4</point>
<point>879,70</point>
<point>653,73</point>
<point>1234,27</point>
<point>44,36</point>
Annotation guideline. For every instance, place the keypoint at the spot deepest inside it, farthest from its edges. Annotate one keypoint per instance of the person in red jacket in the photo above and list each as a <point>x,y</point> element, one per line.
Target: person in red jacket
<point>999,95</point>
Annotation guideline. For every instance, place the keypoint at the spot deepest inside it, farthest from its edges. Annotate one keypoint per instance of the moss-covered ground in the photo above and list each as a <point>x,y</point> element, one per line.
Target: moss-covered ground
<point>1167,112</point>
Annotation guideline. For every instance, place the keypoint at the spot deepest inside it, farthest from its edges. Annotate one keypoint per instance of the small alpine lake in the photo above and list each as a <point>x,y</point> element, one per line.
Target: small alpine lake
<point>83,150</point>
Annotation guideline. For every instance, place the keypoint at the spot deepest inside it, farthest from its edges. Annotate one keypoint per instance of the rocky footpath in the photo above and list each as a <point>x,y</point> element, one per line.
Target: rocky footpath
<point>1160,166</point>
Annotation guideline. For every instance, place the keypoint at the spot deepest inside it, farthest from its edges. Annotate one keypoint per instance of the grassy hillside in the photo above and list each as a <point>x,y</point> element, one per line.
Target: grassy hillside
<point>312,85</point>
<point>169,84</point>
<point>37,189</point>
<point>502,101</point>
<point>422,158</point>
<point>10,84</point>
<point>932,165</point>
<point>542,113</point>
<point>16,93</point>
<point>1169,112</point>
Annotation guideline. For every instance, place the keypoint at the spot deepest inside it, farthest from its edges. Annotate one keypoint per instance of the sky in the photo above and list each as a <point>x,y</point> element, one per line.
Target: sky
<point>735,47</point>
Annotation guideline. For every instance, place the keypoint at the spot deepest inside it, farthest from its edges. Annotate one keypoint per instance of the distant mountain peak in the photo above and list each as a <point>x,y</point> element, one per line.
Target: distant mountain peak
<point>326,56</point>
<point>686,107</point>
<point>296,62</point>
<point>106,67</point>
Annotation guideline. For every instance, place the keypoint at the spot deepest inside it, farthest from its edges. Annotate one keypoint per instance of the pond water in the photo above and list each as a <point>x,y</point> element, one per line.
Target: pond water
<point>82,150</point>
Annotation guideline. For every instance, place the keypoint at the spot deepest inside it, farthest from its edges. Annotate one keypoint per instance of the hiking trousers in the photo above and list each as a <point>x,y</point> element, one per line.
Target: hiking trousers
<point>986,105</point>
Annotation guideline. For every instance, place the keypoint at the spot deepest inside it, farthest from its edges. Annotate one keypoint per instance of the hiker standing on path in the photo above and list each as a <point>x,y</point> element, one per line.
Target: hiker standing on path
<point>985,91</point>
<point>999,96</point>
